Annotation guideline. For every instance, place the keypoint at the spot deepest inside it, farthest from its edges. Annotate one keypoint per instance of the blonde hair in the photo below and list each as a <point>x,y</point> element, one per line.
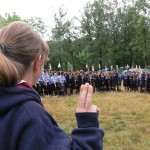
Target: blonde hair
<point>22,45</point>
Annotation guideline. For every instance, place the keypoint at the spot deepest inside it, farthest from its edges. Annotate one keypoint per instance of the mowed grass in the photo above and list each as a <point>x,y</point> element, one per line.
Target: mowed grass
<point>124,117</point>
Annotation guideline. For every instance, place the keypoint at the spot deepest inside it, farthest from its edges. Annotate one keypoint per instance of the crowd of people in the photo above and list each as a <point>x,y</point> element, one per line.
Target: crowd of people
<point>54,83</point>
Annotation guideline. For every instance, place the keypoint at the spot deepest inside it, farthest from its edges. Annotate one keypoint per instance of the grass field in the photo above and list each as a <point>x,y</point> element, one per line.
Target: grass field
<point>125,118</point>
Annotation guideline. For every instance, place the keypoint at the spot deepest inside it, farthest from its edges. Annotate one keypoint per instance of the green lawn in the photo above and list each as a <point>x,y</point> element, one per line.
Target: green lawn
<point>125,118</point>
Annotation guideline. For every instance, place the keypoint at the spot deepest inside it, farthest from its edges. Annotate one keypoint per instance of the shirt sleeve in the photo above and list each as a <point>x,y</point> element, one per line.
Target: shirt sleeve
<point>88,135</point>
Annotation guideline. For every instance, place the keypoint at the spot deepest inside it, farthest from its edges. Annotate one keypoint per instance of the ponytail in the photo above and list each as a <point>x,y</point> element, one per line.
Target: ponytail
<point>9,75</point>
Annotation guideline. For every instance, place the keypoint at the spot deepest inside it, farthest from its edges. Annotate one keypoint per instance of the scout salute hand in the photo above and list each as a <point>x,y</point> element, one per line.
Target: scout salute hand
<point>85,99</point>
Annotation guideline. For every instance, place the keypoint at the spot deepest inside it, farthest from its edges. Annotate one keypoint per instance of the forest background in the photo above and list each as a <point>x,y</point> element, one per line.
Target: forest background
<point>107,33</point>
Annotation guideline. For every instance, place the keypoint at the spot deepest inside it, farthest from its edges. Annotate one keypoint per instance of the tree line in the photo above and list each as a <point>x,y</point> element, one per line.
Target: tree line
<point>109,32</point>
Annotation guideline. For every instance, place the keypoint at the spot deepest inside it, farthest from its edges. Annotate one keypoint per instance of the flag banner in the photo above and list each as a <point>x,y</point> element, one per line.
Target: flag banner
<point>50,67</point>
<point>111,67</point>
<point>70,67</point>
<point>87,66</point>
<point>139,67</point>
<point>59,66</point>
<point>99,66</point>
<point>92,68</point>
<point>116,67</point>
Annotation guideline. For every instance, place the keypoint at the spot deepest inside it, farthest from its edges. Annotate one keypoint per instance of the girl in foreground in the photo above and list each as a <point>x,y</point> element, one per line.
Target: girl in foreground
<point>24,123</point>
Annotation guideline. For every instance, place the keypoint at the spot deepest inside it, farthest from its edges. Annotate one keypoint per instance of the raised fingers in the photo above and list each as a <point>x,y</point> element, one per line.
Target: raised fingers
<point>85,99</point>
<point>82,98</point>
<point>88,102</point>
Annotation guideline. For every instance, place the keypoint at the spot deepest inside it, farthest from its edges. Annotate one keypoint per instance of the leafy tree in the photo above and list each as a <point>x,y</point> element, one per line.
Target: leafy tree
<point>8,18</point>
<point>58,37</point>
<point>38,24</point>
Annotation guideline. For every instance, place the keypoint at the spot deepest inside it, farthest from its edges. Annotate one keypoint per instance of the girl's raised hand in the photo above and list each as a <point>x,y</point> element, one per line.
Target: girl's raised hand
<point>85,99</point>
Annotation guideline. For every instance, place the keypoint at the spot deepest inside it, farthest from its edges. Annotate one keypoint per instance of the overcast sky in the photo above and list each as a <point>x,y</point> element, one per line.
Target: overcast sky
<point>42,8</point>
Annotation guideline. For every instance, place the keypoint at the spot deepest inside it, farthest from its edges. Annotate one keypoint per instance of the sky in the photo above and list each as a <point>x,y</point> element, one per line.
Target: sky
<point>44,9</point>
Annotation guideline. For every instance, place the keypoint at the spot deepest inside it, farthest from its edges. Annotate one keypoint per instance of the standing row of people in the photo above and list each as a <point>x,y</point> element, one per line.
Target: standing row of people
<point>62,83</point>
<point>136,81</point>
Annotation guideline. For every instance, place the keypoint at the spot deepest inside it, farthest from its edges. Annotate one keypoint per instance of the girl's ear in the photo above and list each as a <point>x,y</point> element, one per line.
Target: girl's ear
<point>37,63</point>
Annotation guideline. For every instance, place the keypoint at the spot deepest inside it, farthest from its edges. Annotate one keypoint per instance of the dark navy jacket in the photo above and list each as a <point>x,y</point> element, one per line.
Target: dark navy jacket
<point>26,125</point>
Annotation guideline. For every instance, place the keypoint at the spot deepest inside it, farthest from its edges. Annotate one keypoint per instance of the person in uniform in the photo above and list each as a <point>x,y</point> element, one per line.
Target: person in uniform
<point>39,86</point>
<point>54,84</point>
<point>148,82</point>
<point>142,82</point>
<point>72,83</point>
<point>46,82</point>
<point>79,81</point>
